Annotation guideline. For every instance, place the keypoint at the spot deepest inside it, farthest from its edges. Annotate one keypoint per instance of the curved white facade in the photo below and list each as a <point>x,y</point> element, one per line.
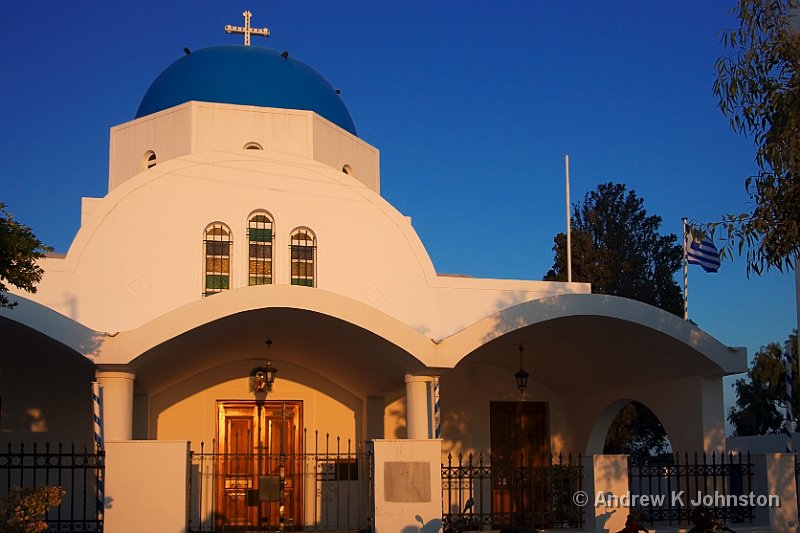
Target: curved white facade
<point>129,297</point>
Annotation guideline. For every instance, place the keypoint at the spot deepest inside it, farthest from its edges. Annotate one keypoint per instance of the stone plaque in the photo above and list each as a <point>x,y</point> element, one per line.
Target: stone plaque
<point>407,481</point>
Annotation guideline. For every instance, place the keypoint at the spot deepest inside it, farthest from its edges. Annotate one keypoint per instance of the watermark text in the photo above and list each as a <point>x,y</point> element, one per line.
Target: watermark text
<point>676,499</point>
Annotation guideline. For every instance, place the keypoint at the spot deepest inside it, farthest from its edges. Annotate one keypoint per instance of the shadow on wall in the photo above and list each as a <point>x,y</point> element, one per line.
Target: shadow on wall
<point>781,480</point>
<point>431,526</point>
<point>396,412</point>
<point>45,387</point>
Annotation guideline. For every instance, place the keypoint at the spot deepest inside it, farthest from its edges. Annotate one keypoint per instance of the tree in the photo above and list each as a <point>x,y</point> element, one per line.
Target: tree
<point>636,431</point>
<point>19,251</point>
<point>758,89</point>
<point>760,405</point>
<point>617,248</point>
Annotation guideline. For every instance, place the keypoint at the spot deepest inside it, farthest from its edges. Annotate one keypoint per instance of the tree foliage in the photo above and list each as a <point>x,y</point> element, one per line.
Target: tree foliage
<point>25,510</point>
<point>760,405</point>
<point>636,431</point>
<point>617,248</point>
<point>19,251</point>
<point>758,88</point>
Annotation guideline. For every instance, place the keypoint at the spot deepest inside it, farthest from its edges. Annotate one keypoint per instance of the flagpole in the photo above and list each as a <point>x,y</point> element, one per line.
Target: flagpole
<point>569,230</point>
<point>685,276</point>
<point>787,426</point>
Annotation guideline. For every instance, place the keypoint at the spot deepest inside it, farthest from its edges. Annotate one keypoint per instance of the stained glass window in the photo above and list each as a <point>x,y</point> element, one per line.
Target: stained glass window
<point>217,244</point>
<point>302,248</point>
<point>259,235</point>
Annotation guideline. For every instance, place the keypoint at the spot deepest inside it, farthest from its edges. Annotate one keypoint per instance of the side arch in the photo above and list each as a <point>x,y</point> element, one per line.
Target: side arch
<point>599,431</point>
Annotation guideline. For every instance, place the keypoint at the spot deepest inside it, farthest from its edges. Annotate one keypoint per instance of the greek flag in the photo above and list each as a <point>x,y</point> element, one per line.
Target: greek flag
<point>702,252</point>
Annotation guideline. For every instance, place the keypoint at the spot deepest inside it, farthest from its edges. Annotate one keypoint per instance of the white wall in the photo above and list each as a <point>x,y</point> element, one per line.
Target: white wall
<point>145,486</point>
<point>408,485</point>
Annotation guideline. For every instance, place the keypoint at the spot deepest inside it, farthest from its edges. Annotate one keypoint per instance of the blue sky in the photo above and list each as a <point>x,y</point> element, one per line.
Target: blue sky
<point>472,104</point>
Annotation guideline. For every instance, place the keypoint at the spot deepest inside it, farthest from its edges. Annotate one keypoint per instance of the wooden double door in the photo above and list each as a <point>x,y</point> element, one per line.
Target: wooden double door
<point>520,440</point>
<point>259,468</point>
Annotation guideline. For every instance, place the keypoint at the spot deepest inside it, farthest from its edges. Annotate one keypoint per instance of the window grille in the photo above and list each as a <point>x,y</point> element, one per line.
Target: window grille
<point>217,243</point>
<point>302,248</point>
<point>260,236</point>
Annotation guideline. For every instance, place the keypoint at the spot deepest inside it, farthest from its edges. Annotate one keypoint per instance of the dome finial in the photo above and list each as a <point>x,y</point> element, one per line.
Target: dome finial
<point>246,30</point>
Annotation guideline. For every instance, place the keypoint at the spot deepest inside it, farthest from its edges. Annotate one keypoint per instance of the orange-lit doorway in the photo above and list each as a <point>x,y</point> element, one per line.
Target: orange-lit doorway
<point>520,441</point>
<point>259,465</point>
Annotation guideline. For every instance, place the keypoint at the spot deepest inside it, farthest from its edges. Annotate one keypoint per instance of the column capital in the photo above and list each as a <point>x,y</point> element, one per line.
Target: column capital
<point>116,391</point>
<point>114,371</point>
<point>412,378</point>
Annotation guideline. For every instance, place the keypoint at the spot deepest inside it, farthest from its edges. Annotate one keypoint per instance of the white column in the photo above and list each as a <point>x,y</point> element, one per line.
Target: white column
<point>116,391</point>
<point>418,423</point>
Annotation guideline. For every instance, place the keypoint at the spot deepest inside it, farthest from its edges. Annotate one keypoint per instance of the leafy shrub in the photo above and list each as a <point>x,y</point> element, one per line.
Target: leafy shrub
<point>24,510</point>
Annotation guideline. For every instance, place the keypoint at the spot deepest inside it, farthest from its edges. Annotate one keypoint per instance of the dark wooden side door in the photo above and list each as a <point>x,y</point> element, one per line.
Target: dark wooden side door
<point>520,441</point>
<point>259,465</point>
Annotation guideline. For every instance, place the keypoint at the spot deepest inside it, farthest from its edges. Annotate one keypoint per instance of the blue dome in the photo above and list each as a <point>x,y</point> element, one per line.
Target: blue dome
<point>245,75</point>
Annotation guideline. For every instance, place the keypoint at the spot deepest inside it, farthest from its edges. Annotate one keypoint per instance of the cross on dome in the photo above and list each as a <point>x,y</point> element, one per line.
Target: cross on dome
<point>247,30</point>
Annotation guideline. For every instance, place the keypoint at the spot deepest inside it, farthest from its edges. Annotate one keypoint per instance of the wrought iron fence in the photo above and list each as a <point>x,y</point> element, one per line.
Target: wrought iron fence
<point>324,489</point>
<point>79,472</point>
<point>797,479</point>
<point>522,493</point>
<point>672,486</point>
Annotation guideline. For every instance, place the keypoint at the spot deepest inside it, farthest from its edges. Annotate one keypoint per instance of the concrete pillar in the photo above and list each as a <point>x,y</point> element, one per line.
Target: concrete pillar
<point>116,391</point>
<point>607,476</point>
<point>418,423</point>
<point>376,405</point>
<point>407,485</point>
<point>775,477</point>
<point>693,413</point>
<point>713,402</point>
<point>146,486</point>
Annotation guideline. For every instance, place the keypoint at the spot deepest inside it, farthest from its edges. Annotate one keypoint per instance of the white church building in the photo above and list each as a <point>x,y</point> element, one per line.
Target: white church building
<point>242,207</point>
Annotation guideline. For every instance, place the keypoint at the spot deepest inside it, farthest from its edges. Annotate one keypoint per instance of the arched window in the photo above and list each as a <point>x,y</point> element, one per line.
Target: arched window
<point>259,235</point>
<point>347,169</point>
<point>303,247</point>
<point>150,159</point>
<point>253,146</point>
<point>217,244</point>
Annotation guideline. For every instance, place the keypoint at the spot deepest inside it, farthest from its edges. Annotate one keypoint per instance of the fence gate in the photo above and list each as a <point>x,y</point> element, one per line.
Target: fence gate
<point>532,494</point>
<point>673,482</point>
<point>330,483</point>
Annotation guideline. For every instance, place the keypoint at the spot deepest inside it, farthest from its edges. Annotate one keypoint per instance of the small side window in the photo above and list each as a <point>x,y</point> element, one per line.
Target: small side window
<point>150,159</point>
<point>253,146</point>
